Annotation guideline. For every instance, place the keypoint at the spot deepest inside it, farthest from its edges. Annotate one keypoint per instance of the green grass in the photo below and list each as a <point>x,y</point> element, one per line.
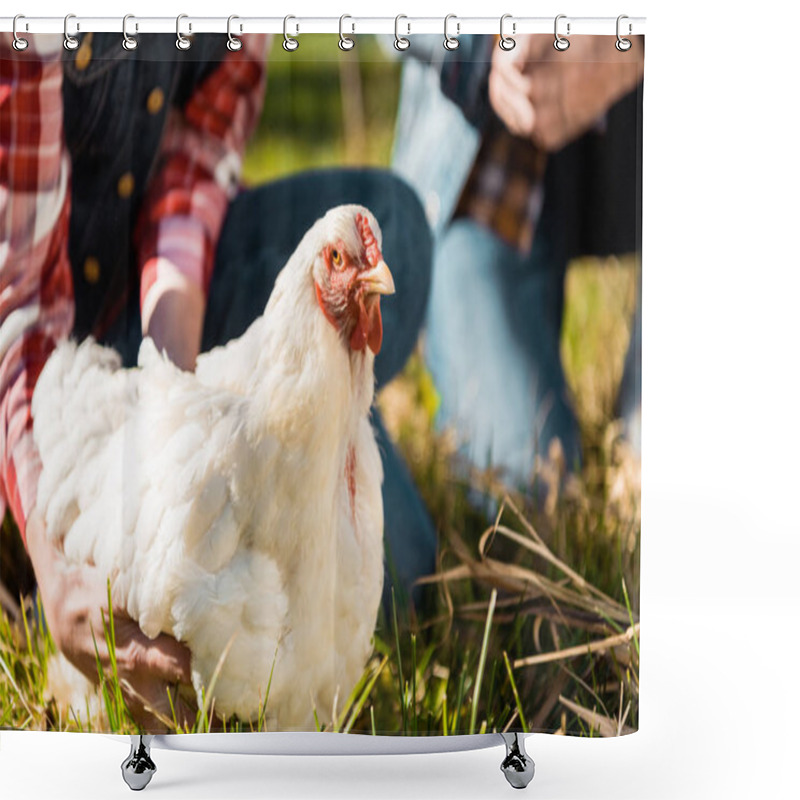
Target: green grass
<point>312,117</point>
<point>531,580</point>
<point>502,594</point>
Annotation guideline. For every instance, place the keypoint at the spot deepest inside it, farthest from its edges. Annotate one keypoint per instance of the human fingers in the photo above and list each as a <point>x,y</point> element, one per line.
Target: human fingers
<point>510,101</point>
<point>157,707</point>
<point>163,658</point>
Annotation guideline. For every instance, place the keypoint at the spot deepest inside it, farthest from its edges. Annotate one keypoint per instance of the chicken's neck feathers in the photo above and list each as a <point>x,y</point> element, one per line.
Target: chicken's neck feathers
<point>306,380</point>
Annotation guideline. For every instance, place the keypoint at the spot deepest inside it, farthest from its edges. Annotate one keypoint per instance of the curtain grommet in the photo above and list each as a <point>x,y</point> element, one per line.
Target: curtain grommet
<point>181,42</point>
<point>290,43</point>
<point>623,45</point>
<point>401,43</point>
<point>19,44</point>
<point>451,42</point>
<point>345,42</point>
<point>129,42</point>
<point>70,42</point>
<point>507,43</point>
<point>561,43</point>
<point>233,44</point>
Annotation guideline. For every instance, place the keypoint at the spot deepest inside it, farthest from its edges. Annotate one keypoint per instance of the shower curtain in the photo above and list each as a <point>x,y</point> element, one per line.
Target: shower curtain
<point>320,384</point>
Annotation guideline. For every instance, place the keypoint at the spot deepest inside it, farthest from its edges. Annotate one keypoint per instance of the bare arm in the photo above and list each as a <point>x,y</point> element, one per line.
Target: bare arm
<point>175,322</point>
<point>75,606</point>
<point>197,174</point>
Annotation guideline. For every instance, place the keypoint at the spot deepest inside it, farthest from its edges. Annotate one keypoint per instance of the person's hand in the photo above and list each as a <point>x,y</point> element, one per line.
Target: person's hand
<point>75,601</point>
<point>552,97</point>
<point>173,315</point>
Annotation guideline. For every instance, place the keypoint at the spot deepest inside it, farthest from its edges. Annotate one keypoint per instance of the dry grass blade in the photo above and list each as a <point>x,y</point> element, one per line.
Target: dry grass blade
<point>580,650</point>
<point>547,554</point>
<point>624,716</point>
<point>519,578</point>
<point>208,699</point>
<point>164,720</point>
<point>526,584</point>
<point>595,696</point>
<point>448,599</point>
<point>509,608</point>
<point>459,573</point>
<point>543,712</point>
<point>511,720</point>
<point>537,632</point>
<point>624,655</point>
<point>8,605</point>
<point>492,531</point>
<point>540,582</point>
<point>602,724</point>
<point>15,686</point>
<point>523,520</point>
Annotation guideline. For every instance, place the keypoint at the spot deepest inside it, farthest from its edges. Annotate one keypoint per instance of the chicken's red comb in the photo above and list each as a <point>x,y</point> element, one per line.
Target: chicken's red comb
<point>369,241</point>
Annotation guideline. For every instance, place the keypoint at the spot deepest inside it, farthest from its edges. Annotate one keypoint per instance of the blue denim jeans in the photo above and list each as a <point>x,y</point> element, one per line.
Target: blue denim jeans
<point>262,228</point>
<point>492,346</point>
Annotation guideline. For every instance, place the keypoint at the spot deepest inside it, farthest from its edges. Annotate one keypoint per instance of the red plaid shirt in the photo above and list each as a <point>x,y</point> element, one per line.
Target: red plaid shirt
<point>197,173</point>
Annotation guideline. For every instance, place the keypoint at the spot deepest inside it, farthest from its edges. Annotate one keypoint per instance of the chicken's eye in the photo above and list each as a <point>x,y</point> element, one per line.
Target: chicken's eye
<point>336,257</point>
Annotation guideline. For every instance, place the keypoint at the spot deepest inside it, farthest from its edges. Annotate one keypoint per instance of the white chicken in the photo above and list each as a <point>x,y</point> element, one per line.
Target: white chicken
<point>238,506</point>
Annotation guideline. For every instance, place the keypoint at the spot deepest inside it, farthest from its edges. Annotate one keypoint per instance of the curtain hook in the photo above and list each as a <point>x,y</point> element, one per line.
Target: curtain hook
<point>19,43</point>
<point>182,43</point>
<point>70,42</point>
<point>507,42</point>
<point>451,42</point>
<point>561,44</point>
<point>623,45</point>
<point>345,42</point>
<point>290,43</point>
<point>234,44</point>
<point>400,42</point>
<point>129,42</point>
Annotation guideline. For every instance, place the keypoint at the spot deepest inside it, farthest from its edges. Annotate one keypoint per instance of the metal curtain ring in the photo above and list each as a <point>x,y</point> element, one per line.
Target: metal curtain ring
<point>234,44</point>
<point>18,43</point>
<point>400,42</point>
<point>451,42</point>
<point>507,42</point>
<point>560,44</point>
<point>182,43</point>
<point>345,42</point>
<point>70,42</point>
<point>623,45</point>
<point>290,44</point>
<point>128,42</point>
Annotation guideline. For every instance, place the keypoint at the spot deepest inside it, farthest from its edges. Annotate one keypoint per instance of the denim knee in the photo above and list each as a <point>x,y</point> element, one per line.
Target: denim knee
<point>492,346</point>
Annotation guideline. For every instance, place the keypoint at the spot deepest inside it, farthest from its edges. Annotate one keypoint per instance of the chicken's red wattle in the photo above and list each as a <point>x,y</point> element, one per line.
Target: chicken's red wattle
<point>369,327</point>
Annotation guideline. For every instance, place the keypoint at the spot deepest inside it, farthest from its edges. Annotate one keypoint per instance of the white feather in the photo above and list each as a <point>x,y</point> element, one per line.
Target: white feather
<point>217,501</point>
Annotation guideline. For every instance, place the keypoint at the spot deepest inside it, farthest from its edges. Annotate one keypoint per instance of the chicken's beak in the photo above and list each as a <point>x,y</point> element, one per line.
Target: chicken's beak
<point>378,280</point>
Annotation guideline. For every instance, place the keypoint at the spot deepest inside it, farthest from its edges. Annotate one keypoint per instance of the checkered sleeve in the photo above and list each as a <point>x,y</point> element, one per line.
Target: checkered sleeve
<point>36,297</point>
<point>198,173</point>
<point>505,189</point>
